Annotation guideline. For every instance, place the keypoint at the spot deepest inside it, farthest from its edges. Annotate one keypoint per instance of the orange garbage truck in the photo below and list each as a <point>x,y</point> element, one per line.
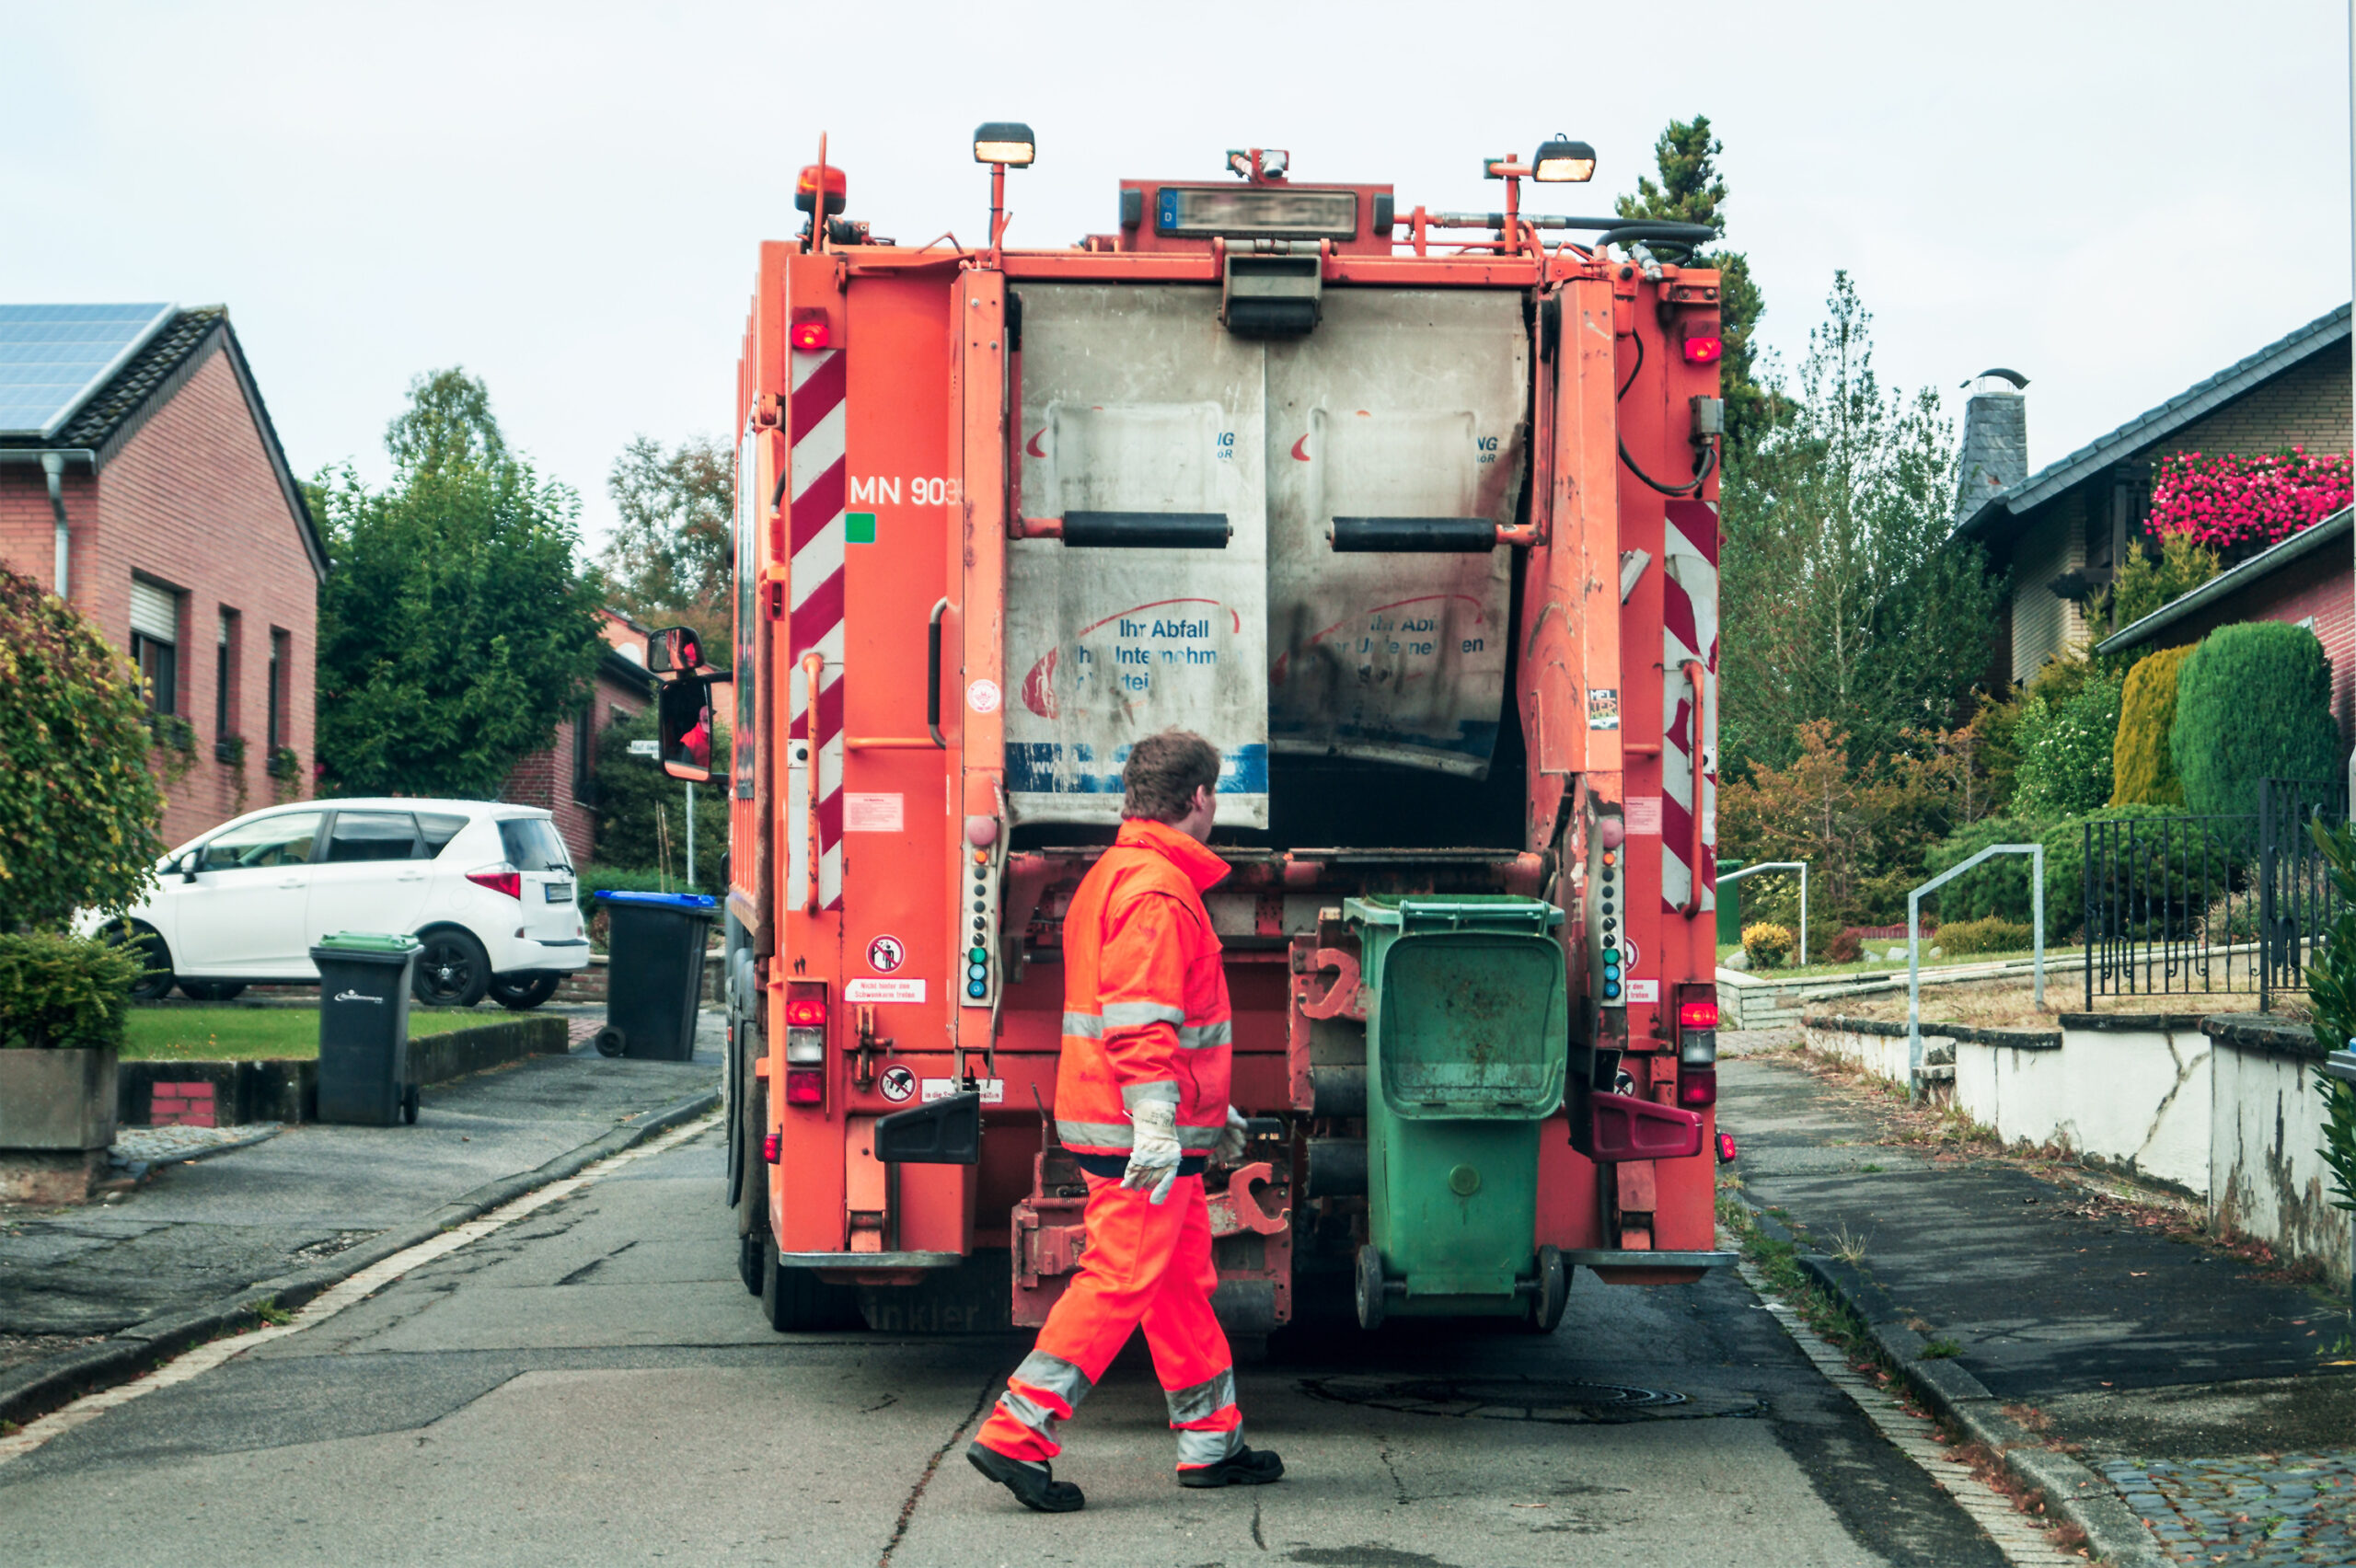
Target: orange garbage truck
<point>1410,514</point>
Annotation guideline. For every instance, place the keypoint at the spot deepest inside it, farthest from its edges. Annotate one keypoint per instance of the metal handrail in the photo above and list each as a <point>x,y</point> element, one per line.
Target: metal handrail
<point>1914,946</point>
<point>1800,866</point>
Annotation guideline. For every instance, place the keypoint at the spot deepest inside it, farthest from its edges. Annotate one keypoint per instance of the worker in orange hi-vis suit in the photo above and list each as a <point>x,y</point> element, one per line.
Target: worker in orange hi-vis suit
<point>1142,1103</point>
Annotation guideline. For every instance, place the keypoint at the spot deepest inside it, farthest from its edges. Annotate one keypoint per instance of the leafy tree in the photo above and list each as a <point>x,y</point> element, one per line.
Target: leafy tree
<point>1690,191</point>
<point>2146,583</point>
<point>1862,831</point>
<point>457,629</point>
<point>1841,598</point>
<point>670,560</point>
<point>78,807</point>
<point>628,789</point>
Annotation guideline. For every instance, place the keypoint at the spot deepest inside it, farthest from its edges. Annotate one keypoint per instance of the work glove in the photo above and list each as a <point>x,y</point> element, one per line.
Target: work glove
<point>1228,1150</point>
<point>1153,1158</point>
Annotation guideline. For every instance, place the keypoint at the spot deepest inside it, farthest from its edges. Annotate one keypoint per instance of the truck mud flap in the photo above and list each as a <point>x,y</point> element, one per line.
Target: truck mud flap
<point>946,1132</point>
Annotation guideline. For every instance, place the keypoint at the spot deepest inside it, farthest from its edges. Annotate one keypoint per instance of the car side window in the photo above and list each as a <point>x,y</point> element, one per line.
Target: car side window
<point>283,841</point>
<point>439,828</point>
<point>371,835</point>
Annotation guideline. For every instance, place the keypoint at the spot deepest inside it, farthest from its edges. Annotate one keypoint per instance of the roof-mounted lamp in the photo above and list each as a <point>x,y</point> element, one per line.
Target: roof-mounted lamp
<point>1561,161</point>
<point>1006,142</point>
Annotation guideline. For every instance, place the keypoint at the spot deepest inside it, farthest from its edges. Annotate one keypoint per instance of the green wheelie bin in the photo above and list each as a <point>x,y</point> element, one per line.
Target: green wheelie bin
<point>364,1028</point>
<point>1468,1031</point>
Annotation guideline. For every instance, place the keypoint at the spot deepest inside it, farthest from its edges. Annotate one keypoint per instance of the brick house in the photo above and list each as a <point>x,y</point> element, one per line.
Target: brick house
<point>2061,532</point>
<point>563,778</point>
<point>139,471</point>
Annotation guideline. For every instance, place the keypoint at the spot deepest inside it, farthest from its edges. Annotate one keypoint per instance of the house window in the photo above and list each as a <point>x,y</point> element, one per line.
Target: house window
<point>277,697</point>
<point>224,678</point>
<point>155,644</point>
<point>584,755</point>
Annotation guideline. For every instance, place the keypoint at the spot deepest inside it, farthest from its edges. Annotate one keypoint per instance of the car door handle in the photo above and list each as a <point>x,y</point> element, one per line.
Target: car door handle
<point>291,882</point>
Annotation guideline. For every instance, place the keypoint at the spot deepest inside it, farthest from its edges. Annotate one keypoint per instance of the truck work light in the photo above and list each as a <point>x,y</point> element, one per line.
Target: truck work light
<point>1561,161</point>
<point>1007,141</point>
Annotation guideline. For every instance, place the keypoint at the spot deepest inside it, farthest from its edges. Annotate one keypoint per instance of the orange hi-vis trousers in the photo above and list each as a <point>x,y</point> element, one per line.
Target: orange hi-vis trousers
<point>1146,1264</point>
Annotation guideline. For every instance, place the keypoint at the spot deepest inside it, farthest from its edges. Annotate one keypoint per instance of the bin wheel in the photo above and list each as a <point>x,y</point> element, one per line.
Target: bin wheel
<point>1369,1287</point>
<point>1553,1291</point>
<point>409,1105</point>
<point>609,1042</point>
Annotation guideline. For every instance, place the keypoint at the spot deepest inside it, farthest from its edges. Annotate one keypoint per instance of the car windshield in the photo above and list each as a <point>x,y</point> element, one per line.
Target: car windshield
<point>532,845</point>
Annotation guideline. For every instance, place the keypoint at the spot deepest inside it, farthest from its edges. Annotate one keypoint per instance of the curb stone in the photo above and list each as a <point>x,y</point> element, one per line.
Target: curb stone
<point>29,1392</point>
<point>2113,1533</point>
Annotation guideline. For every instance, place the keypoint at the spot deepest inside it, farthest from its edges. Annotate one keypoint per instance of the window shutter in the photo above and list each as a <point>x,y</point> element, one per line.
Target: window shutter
<point>155,612</point>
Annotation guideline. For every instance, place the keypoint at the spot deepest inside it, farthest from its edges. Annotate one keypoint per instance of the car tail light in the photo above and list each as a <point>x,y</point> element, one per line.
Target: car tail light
<point>1697,1087</point>
<point>1726,1149</point>
<point>773,1147</point>
<point>805,1041</point>
<point>509,883</point>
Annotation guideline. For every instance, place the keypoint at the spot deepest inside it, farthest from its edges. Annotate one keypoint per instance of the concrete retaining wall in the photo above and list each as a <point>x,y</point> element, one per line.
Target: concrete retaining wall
<point>226,1094</point>
<point>2223,1108</point>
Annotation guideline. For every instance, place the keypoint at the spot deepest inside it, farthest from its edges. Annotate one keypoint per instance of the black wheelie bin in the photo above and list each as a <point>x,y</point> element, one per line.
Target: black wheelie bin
<point>654,974</point>
<point>364,1028</point>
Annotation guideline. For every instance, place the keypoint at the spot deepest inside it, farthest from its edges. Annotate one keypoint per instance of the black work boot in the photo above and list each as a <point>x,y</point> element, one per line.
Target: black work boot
<point>1033,1483</point>
<point>1245,1467</point>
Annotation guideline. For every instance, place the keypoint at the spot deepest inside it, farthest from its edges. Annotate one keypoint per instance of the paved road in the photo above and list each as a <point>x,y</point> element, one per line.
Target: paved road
<point>591,1385</point>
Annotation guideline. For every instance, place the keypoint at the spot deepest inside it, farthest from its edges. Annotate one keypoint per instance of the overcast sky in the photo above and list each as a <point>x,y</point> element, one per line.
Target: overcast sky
<point>2115,199</point>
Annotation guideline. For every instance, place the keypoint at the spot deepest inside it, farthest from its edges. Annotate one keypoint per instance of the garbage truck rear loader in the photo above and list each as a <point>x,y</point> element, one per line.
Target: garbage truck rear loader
<point>1413,515</point>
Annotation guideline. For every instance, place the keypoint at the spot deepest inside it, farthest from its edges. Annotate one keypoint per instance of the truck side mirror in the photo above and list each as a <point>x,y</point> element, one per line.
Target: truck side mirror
<point>674,652</point>
<point>683,727</point>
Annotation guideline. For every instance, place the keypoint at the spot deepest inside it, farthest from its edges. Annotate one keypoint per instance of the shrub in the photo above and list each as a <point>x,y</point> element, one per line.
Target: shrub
<point>2164,870</point>
<point>2142,773</point>
<point>1990,935</point>
<point>2331,979</point>
<point>1996,886</point>
<point>2145,583</point>
<point>63,993</point>
<point>628,789</point>
<point>2254,701</point>
<point>78,806</point>
<point>1766,945</point>
<point>2065,745</point>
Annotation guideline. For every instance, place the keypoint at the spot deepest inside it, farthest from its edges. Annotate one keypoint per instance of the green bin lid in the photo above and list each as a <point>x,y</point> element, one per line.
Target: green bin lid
<point>368,941</point>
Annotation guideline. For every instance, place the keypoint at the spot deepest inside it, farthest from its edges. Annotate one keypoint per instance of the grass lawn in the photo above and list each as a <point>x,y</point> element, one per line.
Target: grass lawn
<point>245,1035</point>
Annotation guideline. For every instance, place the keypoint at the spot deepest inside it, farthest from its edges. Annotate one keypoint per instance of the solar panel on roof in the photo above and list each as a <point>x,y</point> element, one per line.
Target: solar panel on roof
<point>53,356</point>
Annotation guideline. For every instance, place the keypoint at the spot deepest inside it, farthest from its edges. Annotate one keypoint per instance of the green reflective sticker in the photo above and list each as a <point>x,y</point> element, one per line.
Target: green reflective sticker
<point>859,527</point>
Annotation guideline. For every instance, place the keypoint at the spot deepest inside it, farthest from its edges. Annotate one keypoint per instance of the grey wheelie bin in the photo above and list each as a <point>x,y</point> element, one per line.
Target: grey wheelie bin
<point>654,974</point>
<point>364,1028</point>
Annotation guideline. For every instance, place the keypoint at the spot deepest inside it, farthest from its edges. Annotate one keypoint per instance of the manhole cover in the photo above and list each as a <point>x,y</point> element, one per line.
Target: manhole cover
<point>1520,1399</point>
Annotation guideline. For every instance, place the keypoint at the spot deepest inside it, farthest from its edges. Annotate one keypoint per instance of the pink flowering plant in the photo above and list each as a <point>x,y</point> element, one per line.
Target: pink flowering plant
<point>2231,502</point>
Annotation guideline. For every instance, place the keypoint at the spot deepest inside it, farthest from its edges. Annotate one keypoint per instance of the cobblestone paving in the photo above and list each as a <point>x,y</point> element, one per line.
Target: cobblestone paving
<point>2282,1509</point>
<point>577,1030</point>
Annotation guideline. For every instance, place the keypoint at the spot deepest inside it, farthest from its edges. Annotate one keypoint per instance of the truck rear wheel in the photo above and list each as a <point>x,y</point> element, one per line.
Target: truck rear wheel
<point>797,1301</point>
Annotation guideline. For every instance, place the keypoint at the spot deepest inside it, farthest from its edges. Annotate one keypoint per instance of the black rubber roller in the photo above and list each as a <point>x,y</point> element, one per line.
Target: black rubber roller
<point>1413,535</point>
<point>1145,530</point>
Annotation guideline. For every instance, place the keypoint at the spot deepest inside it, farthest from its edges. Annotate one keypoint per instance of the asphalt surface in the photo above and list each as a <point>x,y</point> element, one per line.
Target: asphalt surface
<point>594,1385</point>
<point>198,1232</point>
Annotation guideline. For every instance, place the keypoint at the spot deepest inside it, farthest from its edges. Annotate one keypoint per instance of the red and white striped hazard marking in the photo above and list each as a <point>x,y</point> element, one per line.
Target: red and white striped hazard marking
<point>1689,630</point>
<point>817,421</point>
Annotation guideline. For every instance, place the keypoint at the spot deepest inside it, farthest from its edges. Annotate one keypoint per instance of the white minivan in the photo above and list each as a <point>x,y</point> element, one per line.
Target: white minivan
<point>487,888</point>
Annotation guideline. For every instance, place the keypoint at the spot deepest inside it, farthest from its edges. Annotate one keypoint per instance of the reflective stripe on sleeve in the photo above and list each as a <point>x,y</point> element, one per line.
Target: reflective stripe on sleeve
<point>1199,1036</point>
<point>1200,1138</point>
<point>1088,1026</point>
<point>1135,1094</point>
<point>1133,1015</point>
<point>1096,1134</point>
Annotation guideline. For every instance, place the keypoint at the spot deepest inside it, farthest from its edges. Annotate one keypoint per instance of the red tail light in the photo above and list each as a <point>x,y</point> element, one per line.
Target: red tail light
<point>509,883</point>
<point>1704,351</point>
<point>805,1043</point>
<point>1697,1015</point>
<point>772,1147</point>
<point>1726,1149</point>
<point>809,336</point>
<point>1697,1087</point>
<point>806,1006</point>
<point>805,1086</point>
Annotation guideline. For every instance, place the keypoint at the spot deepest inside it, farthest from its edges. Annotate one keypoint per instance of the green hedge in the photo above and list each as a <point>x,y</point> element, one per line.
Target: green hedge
<point>64,993</point>
<point>2142,771</point>
<point>1998,888</point>
<point>1990,935</point>
<point>2253,702</point>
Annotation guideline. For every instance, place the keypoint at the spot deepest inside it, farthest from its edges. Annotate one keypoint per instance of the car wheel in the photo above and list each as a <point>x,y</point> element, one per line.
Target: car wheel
<point>211,990</point>
<point>522,991</point>
<point>452,970</point>
<point>156,983</point>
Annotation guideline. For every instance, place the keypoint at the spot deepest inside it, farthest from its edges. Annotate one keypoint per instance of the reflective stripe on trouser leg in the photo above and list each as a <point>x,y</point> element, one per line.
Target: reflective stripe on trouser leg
<point>1042,1392</point>
<point>1209,1422</point>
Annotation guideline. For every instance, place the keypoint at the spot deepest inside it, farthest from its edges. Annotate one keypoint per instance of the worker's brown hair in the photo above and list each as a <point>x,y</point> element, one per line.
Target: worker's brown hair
<point>1163,772</point>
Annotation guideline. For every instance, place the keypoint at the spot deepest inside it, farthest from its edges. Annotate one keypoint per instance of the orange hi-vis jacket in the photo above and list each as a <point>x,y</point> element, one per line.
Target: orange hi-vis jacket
<point>1146,1012</point>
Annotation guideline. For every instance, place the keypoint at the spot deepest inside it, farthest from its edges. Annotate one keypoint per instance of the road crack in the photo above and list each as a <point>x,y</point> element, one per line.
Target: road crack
<point>1398,1486</point>
<point>915,1492</point>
